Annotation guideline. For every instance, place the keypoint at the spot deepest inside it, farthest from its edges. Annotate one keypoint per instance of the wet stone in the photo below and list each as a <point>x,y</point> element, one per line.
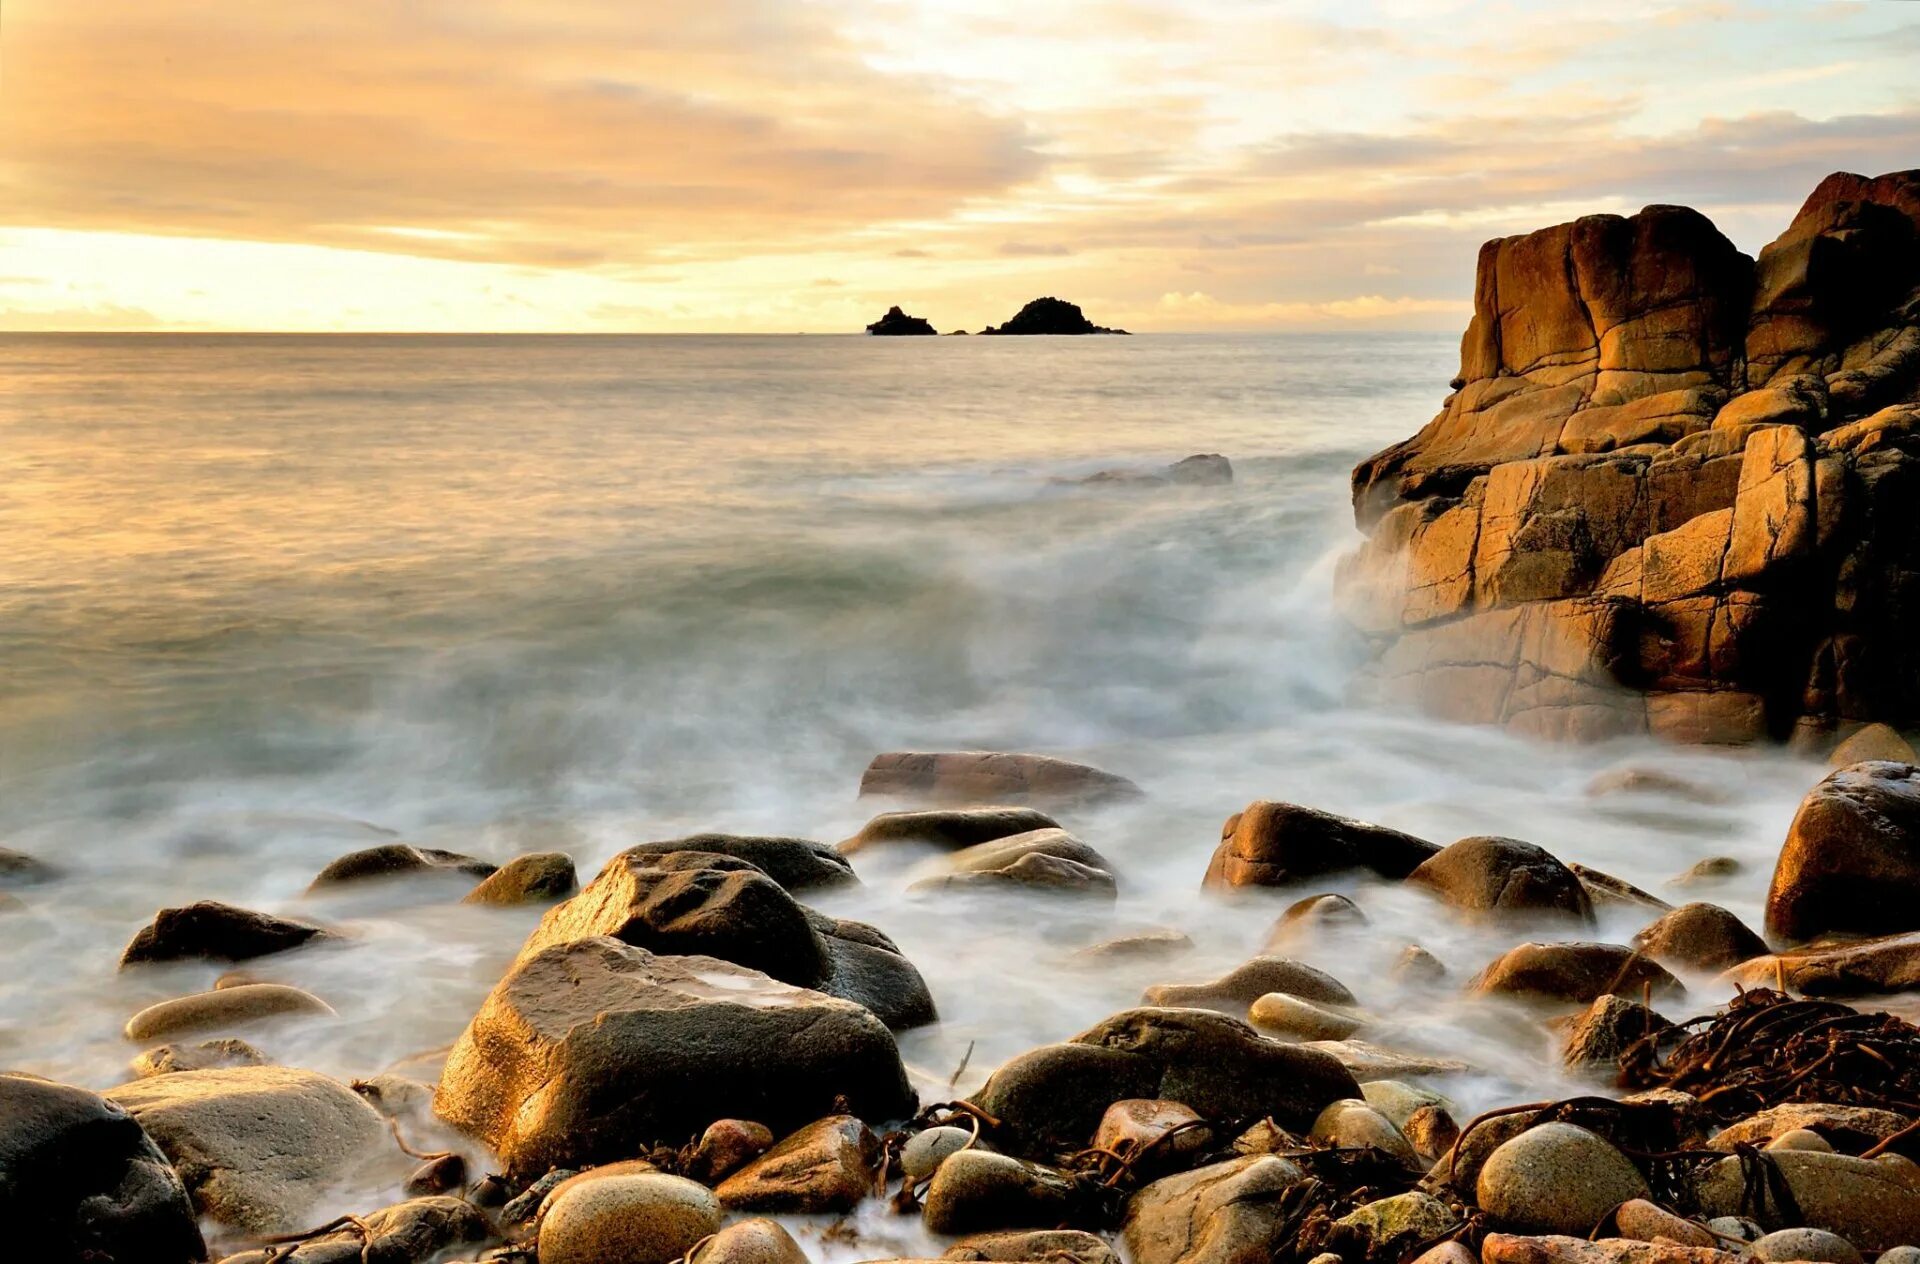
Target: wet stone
<point>827,1166</point>
<point>535,878</point>
<point>975,1190</point>
<point>647,1218</point>
<point>213,931</point>
<point>927,1149</point>
<point>204,1056</point>
<point>1556,1178</point>
<point>1805,1244</point>
<point>726,1146</point>
<point>1053,1246</point>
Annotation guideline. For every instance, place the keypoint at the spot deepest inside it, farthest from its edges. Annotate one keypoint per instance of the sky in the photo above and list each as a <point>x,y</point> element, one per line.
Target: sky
<point>791,166</point>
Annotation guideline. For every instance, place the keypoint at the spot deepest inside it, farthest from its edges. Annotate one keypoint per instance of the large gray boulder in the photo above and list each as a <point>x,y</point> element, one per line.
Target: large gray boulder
<point>259,1146</point>
<point>707,904</point>
<point>80,1180</point>
<point>1052,1098</point>
<point>588,1051</point>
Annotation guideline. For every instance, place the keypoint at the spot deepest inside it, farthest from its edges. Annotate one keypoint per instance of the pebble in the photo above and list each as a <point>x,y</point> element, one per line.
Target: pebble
<point>222,1008</point>
<point>975,1190</point>
<point>727,1146</point>
<point>1816,1245</point>
<point>926,1150</point>
<point>1134,1124</point>
<point>1351,1122</point>
<point>1738,1228</point>
<point>437,1176</point>
<point>1800,1139</point>
<point>1557,1178</point>
<point>1899,1255</point>
<point>649,1218</point>
<point>756,1241</point>
<point>1644,1221</point>
<point>1303,1020</point>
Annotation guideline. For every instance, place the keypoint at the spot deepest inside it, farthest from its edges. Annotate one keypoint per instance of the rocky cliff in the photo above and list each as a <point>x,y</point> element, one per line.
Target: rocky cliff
<point>1675,490</point>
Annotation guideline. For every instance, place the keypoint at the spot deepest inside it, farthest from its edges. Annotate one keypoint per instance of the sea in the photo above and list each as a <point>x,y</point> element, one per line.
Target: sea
<point>268,599</point>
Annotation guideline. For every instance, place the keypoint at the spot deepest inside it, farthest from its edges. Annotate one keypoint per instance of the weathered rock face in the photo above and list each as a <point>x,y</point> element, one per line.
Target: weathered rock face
<point>1673,490</point>
<point>80,1180</point>
<point>1851,862</point>
<point>1055,1096</point>
<point>588,1051</point>
<point>706,904</point>
<point>1274,844</point>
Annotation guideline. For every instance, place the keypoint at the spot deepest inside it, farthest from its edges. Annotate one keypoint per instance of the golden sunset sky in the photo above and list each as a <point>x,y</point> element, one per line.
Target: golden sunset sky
<point>785,165</point>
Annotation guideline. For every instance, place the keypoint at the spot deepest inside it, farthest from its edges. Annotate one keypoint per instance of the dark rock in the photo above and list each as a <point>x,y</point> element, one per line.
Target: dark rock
<point>1240,987</point>
<point>1851,862</point>
<point>897,323</point>
<point>798,864</point>
<point>951,828</point>
<point>1277,844</point>
<point>81,1181</point>
<point>1504,877</point>
<point>1050,316</point>
<point>1572,972</point>
<point>436,1176</point>
<point>1053,1097</point>
<point>975,1190</point>
<point>212,931</point>
<point>1699,936</point>
<point>827,1166</point>
<point>536,878</point>
<point>19,869</point>
<point>1203,469</point>
<point>726,1146</point>
<point>1606,891</point>
<point>990,777</point>
<point>590,1051</point>
<point>690,902</point>
<point>396,860</point>
<point>1595,1040</point>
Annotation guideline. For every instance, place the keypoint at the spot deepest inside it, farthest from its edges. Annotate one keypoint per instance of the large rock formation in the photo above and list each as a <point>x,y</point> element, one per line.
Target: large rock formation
<point>1674,488</point>
<point>897,324</point>
<point>1050,316</point>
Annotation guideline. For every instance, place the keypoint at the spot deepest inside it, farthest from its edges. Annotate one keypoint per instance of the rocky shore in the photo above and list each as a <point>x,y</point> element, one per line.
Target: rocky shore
<point>687,1060</point>
<point>1672,490</point>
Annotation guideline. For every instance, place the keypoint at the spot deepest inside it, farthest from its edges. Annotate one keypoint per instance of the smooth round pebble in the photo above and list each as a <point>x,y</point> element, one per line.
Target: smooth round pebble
<point>756,1241</point>
<point>1899,1255</point>
<point>1557,1178</point>
<point>1800,1139</point>
<point>926,1150</point>
<point>1816,1245</point>
<point>649,1218</point>
<point>1303,1020</point>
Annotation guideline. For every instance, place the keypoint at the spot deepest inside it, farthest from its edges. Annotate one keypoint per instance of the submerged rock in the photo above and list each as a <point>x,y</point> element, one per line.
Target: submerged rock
<point>258,1146</point>
<point>1699,936</point>
<point>951,828</point>
<point>397,860</point>
<point>536,878</point>
<point>897,323</point>
<point>1053,1097</point>
<point>1581,972</point>
<point>1851,862</point>
<point>644,1218</point>
<point>1202,469</point>
<point>1503,877</point>
<point>1284,1015</point>
<point>1146,945</point>
<point>17,868</point>
<point>990,777</point>
<point>1046,860</point>
<point>589,1051</point>
<point>1309,922</point>
<point>1278,844</point>
<point>80,1180</point>
<point>206,1056</point>
<point>212,931</point>
<point>1234,992</point>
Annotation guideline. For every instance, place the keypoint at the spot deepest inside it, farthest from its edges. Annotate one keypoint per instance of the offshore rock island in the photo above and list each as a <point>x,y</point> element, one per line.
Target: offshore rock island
<point>1041,316</point>
<point>1675,491</point>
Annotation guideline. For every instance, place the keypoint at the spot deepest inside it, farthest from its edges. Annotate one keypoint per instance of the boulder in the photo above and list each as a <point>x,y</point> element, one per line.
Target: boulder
<point>211,931</point>
<point>1699,937</point>
<point>798,864</point>
<point>1577,972</point>
<point>1047,860</point>
<point>1805,1244</point>
<point>975,1190</point>
<point>1310,922</point>
<point>1505,878</point>
<point>1596,1039</point>
<point>897,323</point>
<point>590,1051</point>
<point>1556,1178</point>
<point>258,1146</point>
<point>1870,967</point>
<point>412,1232</point>
<point>1050,316</point>
<point>1226,1213</point>
<point>222,1007</point>
<point>1851,862</point>
<point>756,1241</point>
<point>1873,1203</point>
<point>80,1180</point>
<point>950,828</point>
<point>705,904</point>
<point>1872,743</point>
<point>828,1166</point>
<point>1861,1126</point>
<point>1278,844</point>
<point>1052,1098</point>
<point>642,1218</point>
<point>204,1056</point>
<point>397,860</point>
<point>539,877</point>
<point>1238,989</point>
<point>1020,1246</point>
<point>1387,1226</point>
<point>991,777</point>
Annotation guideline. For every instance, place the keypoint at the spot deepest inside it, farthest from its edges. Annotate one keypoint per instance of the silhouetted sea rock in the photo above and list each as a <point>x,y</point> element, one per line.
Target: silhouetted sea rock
<point>897,324</point>
<point>1675,491</point>
<point>1050,316</point>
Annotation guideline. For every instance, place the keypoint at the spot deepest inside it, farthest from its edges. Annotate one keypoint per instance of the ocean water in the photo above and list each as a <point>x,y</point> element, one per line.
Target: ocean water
<point>264,600</point>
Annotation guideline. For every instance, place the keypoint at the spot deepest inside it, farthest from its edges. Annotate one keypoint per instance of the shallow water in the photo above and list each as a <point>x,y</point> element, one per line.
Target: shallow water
<point>266,600</point>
